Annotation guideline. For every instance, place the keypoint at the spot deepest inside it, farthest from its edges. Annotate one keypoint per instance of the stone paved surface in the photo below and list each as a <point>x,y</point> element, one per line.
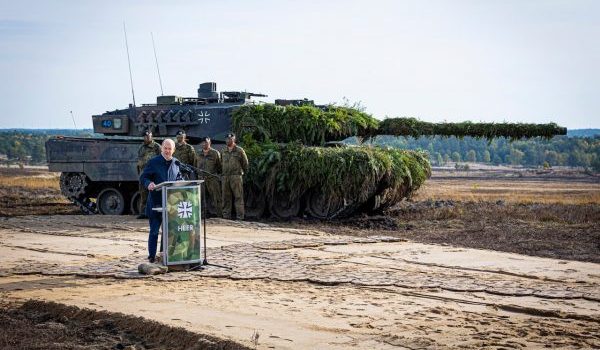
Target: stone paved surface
<point>368,261</point>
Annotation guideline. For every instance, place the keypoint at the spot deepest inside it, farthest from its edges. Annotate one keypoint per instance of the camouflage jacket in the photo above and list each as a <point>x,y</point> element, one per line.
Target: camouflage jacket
<point>185,153</point>
<point>210,162</point>
<point>235,162</point>
<point>145,153</point>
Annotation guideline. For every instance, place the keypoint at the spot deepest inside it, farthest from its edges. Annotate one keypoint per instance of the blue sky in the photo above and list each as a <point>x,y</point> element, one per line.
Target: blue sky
<point>517,61</point>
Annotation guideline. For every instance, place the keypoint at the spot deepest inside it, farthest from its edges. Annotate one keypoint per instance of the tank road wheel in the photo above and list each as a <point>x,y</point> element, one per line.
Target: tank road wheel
<point>321,206</point>
<point>73,185</point>
<point>373,205</point>
<point>284,208</point>
<point>134,203</point>
<point>254,201</point>
<point>111,202</point>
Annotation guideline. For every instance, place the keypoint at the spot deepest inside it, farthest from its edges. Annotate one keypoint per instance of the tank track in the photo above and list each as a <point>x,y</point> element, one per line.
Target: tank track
<point>73,186</point>
<point>86,205</point>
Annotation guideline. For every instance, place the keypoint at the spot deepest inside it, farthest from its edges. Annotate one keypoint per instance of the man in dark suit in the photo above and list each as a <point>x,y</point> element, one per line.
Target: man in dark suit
<point>161,168</point>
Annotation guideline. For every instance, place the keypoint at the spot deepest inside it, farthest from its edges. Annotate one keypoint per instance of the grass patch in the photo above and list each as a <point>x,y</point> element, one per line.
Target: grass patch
<point>511,191</point>
<point>50,180</point>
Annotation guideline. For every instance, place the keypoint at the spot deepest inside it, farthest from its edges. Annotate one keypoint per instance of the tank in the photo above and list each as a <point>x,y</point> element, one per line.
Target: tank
<point>298,166</point>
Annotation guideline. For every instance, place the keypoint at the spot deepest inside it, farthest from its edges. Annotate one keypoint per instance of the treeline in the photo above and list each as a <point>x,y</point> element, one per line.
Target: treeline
<point>23,145</point>
<point>560,150</point>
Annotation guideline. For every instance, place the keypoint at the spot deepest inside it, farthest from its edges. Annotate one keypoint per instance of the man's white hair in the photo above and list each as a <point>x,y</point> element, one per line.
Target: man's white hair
<point>169,141</point>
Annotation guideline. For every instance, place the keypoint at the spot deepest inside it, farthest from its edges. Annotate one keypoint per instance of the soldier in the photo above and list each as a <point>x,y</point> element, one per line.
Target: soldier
<point>209,160</point>
<point>146,152</point>
<point>183,151</point>
<point>235,164</point>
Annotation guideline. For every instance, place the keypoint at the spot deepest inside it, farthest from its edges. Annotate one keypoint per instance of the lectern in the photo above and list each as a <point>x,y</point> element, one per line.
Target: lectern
<point>181,222</point>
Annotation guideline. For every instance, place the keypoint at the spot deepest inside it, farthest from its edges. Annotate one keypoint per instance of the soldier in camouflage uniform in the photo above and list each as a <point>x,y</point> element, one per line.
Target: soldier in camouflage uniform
<point>209,160</point>
<point>183,151</point>
<point>235,164</point>
<point>146,152</point>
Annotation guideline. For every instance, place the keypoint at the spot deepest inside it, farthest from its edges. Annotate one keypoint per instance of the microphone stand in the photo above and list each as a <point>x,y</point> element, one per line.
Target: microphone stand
<point>195,170</point>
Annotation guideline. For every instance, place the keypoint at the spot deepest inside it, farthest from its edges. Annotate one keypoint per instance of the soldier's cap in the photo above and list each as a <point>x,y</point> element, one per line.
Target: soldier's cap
<point>148,132</point>
<point>230,135</point>
<point>181,132</point>
<point>205,139</point>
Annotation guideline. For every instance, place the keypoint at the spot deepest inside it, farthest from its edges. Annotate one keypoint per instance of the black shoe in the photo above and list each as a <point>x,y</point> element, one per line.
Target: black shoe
<point>141,216</point>
<point>152,260</point>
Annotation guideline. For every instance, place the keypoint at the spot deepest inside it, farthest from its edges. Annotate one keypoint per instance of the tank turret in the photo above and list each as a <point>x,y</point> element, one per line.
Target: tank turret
<point>207,114</point>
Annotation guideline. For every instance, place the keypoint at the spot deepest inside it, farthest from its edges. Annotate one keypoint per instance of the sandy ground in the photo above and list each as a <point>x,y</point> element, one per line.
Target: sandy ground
<point>290,288</point>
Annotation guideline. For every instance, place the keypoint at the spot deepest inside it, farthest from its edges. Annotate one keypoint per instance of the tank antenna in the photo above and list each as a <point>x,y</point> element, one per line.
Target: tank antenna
<point>157,69</point>
<point>72,117</point>
<point>129,63</point>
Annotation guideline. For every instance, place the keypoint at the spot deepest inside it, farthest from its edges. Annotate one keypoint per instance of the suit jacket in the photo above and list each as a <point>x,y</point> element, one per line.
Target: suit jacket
<point>157,171</point>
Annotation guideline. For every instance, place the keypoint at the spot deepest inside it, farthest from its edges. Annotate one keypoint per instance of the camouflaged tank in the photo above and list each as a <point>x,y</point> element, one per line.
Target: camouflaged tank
<point>297,164</point>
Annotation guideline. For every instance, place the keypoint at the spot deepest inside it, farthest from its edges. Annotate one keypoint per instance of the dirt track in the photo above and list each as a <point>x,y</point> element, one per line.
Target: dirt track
<point>305,288</point>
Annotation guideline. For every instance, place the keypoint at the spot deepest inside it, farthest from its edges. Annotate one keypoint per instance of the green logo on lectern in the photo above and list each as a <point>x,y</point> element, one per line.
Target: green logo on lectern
<point>183,229</point>
<point>184,210</point>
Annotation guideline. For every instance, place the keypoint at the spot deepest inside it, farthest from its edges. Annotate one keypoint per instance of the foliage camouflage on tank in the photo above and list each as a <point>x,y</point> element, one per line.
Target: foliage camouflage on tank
<point>416,128</point>
<point>333,181</point>
<point>315,125</point>
<point>309,125</point>
<point>341,181</point>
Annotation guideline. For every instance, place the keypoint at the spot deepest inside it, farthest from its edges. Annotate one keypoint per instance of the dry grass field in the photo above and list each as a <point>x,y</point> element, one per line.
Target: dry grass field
<point>31,191</point>
<point>29,179</point>
<point>552,214</point>
<point>511,190</point>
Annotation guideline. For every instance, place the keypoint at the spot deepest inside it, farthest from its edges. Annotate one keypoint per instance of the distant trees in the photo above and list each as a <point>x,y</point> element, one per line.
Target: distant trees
<point>487,158</point>
<point>438,159</point>
<point>596,164</point>
<point>456,157</point>
<point>551,157</point>
<point>19,145</point>
<point>558,151</point>
<point>471,156</point>
<point>516,157</point>
<point>446,158</point>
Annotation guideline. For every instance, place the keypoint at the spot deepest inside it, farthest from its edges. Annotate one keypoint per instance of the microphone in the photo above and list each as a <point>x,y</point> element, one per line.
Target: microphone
<point>184,166</point>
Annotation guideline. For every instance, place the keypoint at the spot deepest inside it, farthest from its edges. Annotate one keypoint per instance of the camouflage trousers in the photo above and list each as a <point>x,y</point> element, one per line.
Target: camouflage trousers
<point>143,199</point>
<point>233,189</point>
<point>213,191</point>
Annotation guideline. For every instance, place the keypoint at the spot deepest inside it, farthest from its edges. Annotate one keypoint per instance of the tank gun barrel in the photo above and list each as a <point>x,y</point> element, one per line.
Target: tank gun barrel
<point>313,125</point>
<point>416,128</point>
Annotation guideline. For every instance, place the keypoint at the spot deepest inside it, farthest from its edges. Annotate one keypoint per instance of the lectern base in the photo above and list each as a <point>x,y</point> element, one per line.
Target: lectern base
<point>184,267</point>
